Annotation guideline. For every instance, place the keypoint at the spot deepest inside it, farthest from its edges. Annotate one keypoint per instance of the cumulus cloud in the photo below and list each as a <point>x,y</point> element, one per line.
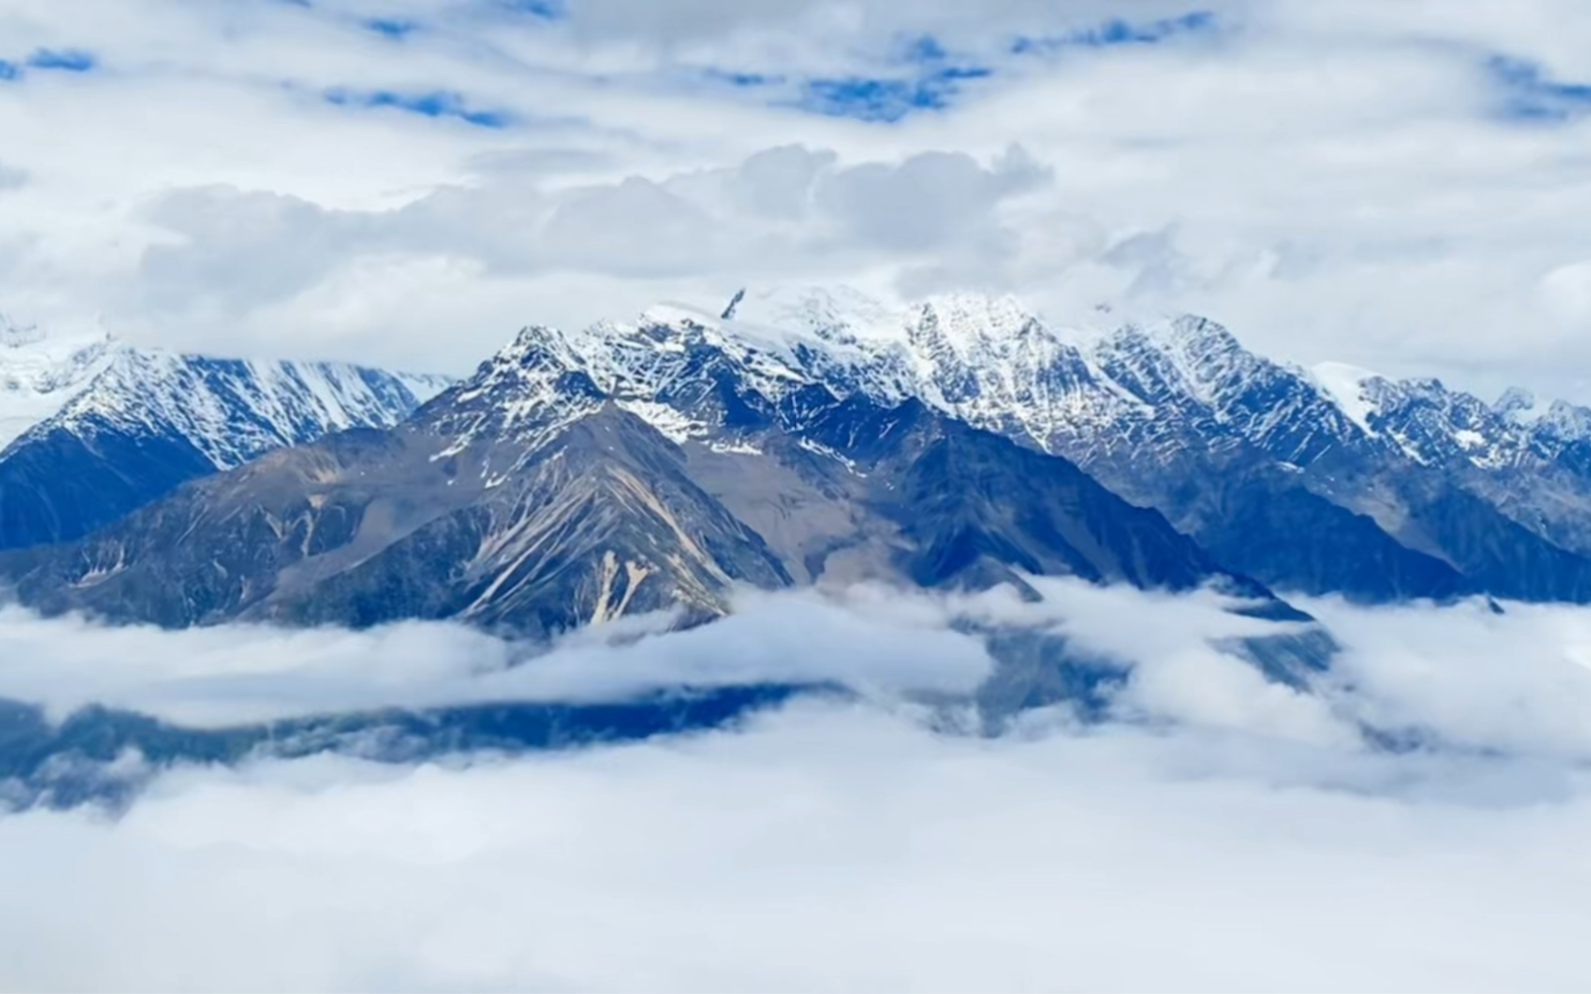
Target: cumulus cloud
<point>1517,682</point>
<point>1285,172</point>
<point>1461,678</point>
<point>253,262</point>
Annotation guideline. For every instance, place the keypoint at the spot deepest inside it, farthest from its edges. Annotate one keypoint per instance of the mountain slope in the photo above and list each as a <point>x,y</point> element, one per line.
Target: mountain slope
<point>371,526</point>
<point>1131,411</point>
<point>534,498</point>
<point>152,420</point>
<point>1306,481</point>
<point>40,373</point>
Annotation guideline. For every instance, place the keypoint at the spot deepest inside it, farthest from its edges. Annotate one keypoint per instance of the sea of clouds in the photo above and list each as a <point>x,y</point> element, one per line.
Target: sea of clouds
<point>1210,830</point>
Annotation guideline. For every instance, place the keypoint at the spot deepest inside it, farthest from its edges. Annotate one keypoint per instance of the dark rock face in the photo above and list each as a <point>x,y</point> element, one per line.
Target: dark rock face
<point>370,527</point>
<point>57,485</point>
<point>75,761</point>
<point>605,518</point>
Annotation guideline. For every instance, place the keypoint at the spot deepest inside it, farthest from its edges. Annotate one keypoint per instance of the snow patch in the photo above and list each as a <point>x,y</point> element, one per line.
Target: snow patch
<point>1345,385</point>
<point>40,373</point>
<point>673,425</point>
<point>738,448</point>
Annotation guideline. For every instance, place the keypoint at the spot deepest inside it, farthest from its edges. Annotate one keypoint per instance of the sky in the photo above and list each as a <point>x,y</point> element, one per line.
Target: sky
<point>406,182</point>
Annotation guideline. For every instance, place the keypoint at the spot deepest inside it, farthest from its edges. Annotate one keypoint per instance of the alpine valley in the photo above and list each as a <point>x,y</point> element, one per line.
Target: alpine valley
<point>793,437</point>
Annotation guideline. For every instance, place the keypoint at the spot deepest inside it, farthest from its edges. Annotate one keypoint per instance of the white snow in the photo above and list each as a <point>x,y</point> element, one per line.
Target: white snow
<point>673,425</point>
<point>231,410</point>
<point>824,313</point>
<point>735,448</point>
<point>1345,384</point>
<point>41,372</point>
<point>990,361</point>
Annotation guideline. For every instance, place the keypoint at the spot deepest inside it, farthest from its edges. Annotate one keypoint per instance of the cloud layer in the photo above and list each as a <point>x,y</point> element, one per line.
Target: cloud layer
<point>825,847</point>
<point>1249,834</point>
<point>407,182</point>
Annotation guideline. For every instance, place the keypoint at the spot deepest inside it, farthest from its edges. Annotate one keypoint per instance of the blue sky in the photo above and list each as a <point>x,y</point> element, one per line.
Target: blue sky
<point>1530,92</point>
<point>341,177</point>
<point>433,103</point>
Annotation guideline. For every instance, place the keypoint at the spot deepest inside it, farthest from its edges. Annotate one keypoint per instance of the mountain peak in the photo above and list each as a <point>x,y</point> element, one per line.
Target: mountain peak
<point>14,335</point>
<point>965,318</point>
<point>1519,406</point>
<point>829,313</point>
<point>40,372</point>
<point>1195,335</point>
<point>1346,385</point>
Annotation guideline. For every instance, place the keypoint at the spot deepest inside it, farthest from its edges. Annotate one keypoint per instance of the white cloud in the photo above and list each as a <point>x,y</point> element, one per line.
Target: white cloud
<point>1244,831</point>
<point>824,848</point>
<point>1296,172</point>
<point>235,674</point>
<point>261,264</point>
<point>1517,682</point>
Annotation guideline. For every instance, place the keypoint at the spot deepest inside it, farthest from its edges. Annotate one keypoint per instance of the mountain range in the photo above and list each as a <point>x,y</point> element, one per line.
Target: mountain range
<point>96,428</point>
<point>789,438</point>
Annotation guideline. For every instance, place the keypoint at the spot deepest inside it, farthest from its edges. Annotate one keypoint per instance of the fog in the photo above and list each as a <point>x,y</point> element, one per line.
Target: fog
<point>1210,831</point>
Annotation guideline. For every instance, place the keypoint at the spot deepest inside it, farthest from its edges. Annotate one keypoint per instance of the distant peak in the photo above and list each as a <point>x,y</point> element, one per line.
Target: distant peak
<point>675,314</point>
<point>531,336</point>
<point>824,311</point>
<point>1342,372</point>
<point>1425,386</point>
<point>1194,330</point>
<point>1000,312</point>
<point>1520,406</point>
<point>15,336</point>
<point>1348,387</point>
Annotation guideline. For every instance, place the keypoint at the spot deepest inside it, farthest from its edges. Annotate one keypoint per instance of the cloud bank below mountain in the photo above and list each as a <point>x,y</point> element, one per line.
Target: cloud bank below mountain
<point>1245,833</point>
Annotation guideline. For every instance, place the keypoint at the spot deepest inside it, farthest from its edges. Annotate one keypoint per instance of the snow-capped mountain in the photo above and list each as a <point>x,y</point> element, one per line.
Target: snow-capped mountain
<point>146,421</point>
<point>39,373</point>
<point>793,437</point>
<point>231,410</point>
<point>577,478</point>
<point>1306,479</point>
<point>1151,412</point>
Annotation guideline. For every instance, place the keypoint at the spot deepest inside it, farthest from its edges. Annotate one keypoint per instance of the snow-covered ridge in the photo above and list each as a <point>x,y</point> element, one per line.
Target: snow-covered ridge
<point>40,372</point>
<point>985,359</point>
<point>993,362</point>
<point>231,410</point>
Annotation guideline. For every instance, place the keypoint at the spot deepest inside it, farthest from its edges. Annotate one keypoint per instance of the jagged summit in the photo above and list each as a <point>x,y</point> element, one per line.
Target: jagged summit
<point>1521,407</point>
<point>787,436</point>
<point>996,363</point>
<point>1171,412</point>
<point>14,335</point>
<point>40,372</point>
<point>234,409</point>
<point>102,427</point>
